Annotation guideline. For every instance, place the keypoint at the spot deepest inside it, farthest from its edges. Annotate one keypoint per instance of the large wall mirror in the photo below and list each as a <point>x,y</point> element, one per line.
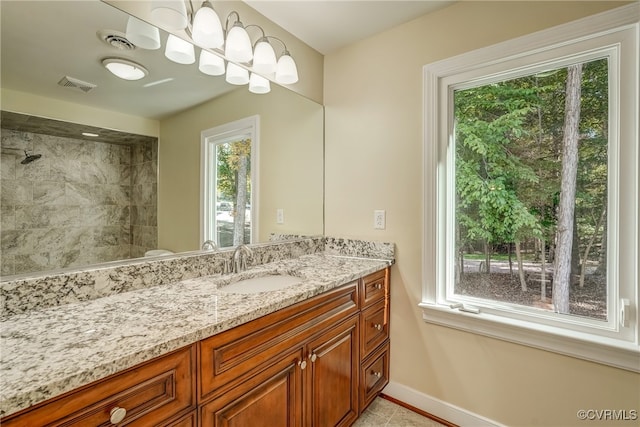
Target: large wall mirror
<point>70,200</point>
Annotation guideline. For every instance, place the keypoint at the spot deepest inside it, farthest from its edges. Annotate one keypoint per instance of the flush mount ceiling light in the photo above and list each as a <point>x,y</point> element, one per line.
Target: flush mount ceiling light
<point>125,69</point>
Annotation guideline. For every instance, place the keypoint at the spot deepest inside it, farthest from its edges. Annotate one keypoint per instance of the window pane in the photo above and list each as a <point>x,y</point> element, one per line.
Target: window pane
<point>233,193</point>
<point>531,190</point>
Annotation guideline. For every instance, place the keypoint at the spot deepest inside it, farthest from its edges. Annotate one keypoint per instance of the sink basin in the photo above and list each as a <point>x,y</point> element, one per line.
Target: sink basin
<point>261,284</point>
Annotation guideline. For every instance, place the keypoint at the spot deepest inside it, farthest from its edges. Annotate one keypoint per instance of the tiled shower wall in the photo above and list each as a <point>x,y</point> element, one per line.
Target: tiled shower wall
<point>82,202</point>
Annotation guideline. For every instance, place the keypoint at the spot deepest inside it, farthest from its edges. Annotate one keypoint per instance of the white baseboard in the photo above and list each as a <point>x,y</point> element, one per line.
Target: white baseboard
<point>437,407</point>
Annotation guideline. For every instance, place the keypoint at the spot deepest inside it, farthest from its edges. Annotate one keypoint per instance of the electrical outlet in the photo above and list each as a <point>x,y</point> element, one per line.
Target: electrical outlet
<point>379,219</point>
<point>279,216</point>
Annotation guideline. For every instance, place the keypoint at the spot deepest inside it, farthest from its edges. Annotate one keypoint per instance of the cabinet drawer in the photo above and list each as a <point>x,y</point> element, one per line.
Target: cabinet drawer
<point>374,375</point>
<point>374,288</point>
<point>150,393</point>
<point>229,358</point>
<point>374,327</point>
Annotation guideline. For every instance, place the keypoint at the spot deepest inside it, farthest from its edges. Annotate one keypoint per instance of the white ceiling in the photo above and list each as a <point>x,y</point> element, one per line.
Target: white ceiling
<point>329,25</point>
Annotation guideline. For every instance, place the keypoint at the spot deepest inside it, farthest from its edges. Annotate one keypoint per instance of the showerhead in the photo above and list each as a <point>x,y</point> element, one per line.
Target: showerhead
<point>28,158</point>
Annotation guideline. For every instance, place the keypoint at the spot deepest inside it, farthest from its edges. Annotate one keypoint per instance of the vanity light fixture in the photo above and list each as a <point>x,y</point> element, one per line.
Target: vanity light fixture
<point>142,34</point>
<point>210,64</point>
<point>236,75</point>
<point>238,44</point>
<point>259,84</point>
<point>207,29</point>
<point>171,14</point>
<point>264,57</point>
<point>125,69</point>
<point>179,51</point>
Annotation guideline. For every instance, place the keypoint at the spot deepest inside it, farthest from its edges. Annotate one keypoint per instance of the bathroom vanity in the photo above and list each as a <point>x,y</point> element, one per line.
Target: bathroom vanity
<point>202,351</point>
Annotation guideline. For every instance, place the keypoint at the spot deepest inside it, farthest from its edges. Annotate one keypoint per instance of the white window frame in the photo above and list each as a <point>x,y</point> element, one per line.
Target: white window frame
<point>615,33</point>
<point>209,139</point>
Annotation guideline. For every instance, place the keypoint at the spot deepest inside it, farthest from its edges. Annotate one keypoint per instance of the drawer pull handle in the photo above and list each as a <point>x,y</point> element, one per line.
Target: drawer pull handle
<point>117,415</point>
<point>313,357</point>
<point>302,364</point>
<point>377,374</point>
<point>378,326</point>
<point>378,286</point>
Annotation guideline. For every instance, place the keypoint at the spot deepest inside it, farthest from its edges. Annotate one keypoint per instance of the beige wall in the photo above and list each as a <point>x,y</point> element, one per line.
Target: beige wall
<point>26,103</point>
<point>373,102</point>
<point>290,164</point>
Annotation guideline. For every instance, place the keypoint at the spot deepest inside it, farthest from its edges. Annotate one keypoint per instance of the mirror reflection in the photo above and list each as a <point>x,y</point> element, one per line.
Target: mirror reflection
<point>134,190</point>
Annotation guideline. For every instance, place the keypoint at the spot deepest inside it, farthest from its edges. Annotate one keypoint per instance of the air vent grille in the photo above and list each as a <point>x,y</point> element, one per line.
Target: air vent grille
<point>115,39</point>
<point>72,83</point>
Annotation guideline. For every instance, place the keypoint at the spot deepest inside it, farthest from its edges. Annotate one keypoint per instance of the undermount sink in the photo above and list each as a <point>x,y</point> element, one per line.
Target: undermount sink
<point>261,284</point>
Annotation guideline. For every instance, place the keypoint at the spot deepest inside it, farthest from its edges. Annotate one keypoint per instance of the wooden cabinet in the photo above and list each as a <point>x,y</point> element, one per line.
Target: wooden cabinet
<point>296,367</point>
<point>374,336</point>
<point>153,393</point>
<point>317,363</point>
<point>332,376</point>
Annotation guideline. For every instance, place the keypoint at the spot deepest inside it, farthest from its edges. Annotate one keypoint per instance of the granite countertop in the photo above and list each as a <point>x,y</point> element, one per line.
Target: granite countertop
<point>47,352</point>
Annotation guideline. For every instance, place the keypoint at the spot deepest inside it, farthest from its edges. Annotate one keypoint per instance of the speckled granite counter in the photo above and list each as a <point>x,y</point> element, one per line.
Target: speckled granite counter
<point>46,352</point>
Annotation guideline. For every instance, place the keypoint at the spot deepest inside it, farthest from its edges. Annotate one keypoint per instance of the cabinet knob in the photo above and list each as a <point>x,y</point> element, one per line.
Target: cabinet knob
<point>313,357</point>
<point>117,415</point>
<point>378,286</point>
<point>302,364</point>
<point>377,374</point>
<point>378,326</point>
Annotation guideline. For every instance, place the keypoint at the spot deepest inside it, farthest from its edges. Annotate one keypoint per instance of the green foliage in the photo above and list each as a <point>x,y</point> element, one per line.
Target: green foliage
<point>508,156</point>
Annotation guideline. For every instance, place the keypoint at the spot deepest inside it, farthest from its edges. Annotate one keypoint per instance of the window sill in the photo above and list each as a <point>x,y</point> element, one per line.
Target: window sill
<point>623,355</point>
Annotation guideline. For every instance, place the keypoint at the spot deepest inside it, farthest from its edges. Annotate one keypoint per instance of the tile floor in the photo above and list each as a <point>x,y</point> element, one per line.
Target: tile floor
<point>383,413</point>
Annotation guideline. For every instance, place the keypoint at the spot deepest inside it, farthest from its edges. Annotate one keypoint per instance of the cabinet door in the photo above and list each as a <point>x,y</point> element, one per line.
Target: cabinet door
<point>271,398</point>
<point>332,387</point>
<point>146,395</point>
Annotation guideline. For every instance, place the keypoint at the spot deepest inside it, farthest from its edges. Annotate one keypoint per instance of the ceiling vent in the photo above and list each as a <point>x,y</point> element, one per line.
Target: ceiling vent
<point>72,83</point>
<point>115,39</point>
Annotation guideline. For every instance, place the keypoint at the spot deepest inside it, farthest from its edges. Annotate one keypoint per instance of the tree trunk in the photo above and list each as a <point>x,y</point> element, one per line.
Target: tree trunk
<point>487,256</point>
<point>241,201</point>
<point>575,251</point>
<point>589,244</point>
<point>601,270</point>
<point>510,261</point>
<point>562,274</point>
<point>523,282</point>
<point>543,273</point>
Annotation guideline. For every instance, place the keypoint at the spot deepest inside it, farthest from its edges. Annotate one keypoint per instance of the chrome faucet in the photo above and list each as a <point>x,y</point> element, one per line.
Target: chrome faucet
<point>209,245</point>
<point>239,258</point>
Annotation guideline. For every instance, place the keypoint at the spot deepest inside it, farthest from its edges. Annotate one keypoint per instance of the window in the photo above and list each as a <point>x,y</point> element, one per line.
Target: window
<point>531,151</point>
<point>228,186</point>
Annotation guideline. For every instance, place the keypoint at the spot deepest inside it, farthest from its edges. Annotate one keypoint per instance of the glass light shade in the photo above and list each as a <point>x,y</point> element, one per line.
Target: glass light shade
<point>238,45</point>
<point>169,14</point>
<point>258,84</point>
<point>142,34</point>
<point>124,69</point>
<point>180,51</point>
<point>236,75</point>
<point>207,30</point>
<point>264,58</point>
<point>211,64</point>
<point>287,72</point>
